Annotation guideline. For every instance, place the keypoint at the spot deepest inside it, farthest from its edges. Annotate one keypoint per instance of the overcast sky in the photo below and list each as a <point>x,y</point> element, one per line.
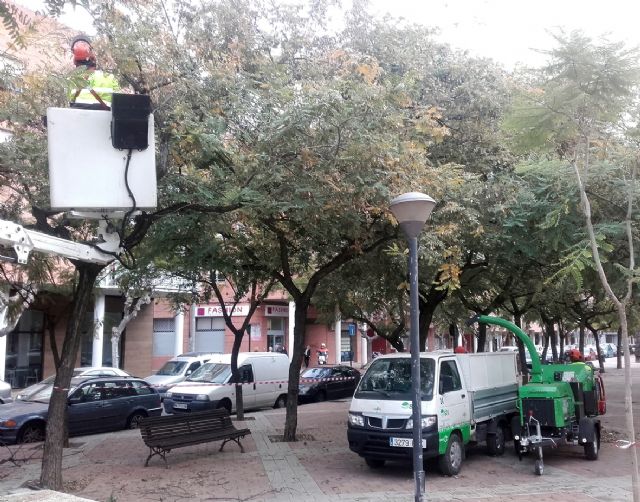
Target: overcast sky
<point>505,30</point>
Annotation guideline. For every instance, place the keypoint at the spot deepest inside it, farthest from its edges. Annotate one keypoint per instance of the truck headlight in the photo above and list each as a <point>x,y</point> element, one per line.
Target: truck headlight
<point>427,422</point>
<point>357,420</point>
<point>169,394</point>
<point>202,397</point>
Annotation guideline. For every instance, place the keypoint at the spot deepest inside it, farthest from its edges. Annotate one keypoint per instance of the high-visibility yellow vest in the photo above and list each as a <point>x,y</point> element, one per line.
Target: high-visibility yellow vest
<point>103,84</point>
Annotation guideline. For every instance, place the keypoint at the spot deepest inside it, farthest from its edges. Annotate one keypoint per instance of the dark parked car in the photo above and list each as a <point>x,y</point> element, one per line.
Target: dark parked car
<point>96,404</point>
<point>320,384</point>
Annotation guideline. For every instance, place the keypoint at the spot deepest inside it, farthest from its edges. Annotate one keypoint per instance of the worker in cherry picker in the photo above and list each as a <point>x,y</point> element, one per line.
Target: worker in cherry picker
<point>575,356</point>
<point>98,86</point>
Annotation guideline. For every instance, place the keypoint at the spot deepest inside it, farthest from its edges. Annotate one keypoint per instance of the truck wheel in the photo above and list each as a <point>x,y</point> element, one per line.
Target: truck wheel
<point>451,461</point>
<point>281,402</point>
<point>321,396</point>
<point>225,404</point>
<point>495,442</point>
<point>539,467</point>
<point>374,463</point>
<point>592,449</point>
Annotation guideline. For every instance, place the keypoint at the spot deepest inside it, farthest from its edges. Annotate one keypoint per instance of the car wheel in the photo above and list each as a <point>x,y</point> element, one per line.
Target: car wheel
<point>226,404</point>
<point>281,402</point>
<point>495,442</point>
<point>321,396</point>
<point>133,422</point>
<point>32,432</point>
<point>592,449</point>
<point>374,463</point>
<point>451,461</point>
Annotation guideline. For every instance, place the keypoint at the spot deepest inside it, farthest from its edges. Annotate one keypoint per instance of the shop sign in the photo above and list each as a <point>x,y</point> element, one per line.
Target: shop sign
<point>276,310</point>
<point>216,310</point>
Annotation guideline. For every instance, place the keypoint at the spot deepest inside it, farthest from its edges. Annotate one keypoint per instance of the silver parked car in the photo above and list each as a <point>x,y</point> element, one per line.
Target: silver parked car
<point>82,371</point>
<point>5,392</point>
<point>177,370</point>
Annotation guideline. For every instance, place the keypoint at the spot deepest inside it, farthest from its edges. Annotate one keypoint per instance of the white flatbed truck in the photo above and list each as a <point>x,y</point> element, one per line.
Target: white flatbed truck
<point>466,399</point>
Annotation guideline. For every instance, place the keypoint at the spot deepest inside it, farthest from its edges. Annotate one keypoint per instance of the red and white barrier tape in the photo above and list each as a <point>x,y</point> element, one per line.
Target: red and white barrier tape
<point>302,381</point>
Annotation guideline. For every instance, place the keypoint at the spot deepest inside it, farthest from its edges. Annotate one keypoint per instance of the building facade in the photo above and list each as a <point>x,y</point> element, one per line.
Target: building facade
<point>159,332</point>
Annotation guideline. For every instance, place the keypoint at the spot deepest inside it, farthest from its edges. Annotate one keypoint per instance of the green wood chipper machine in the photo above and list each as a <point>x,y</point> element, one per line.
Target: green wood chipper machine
<point>560,405</point>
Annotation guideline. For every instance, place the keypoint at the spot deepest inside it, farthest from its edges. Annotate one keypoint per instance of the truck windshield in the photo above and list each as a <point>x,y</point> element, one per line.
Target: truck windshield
<point>172,368</point>
<point>391,379</point>
<point>211,373</point>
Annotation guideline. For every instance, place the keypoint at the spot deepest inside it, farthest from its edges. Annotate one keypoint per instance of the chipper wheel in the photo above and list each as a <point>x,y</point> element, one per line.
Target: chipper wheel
<point>539,465</point>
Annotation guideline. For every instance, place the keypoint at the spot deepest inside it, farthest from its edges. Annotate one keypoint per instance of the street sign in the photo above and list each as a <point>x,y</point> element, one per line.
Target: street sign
<point>352,330</point>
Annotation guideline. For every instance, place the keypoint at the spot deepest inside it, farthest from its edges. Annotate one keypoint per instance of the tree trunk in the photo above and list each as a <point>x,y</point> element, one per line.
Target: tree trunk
<point>291,421</point>
<point>51,475</point>
<point>517,320</point>
<point>628,402</point>
<point>553,340</point>
<point>453,333</point>
<point>598,350</point>
<point>51,330</point>
<point>545,348</point>
<point>482,336</point>
<point>621,307</point>
<point>619,349</point>
<point>581,337</point>
<point>235,375</point>
<point>427,304</point>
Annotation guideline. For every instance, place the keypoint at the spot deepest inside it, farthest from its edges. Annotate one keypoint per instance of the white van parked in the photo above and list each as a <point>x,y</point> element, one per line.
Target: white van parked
<point>177,369</point>
<point>264,384</point>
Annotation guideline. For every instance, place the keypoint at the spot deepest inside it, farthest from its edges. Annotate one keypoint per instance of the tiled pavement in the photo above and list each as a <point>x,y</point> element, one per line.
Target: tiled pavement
<point>109,467</point>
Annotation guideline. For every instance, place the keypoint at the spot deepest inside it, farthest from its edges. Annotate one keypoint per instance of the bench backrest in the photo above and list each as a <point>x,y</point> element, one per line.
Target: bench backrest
<point>184,424</point>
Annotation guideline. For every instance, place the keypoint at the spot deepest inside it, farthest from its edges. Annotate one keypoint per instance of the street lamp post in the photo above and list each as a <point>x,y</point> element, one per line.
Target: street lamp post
<point>412,210</point>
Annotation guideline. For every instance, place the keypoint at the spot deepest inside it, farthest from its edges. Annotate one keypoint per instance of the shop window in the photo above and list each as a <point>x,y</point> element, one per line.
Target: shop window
<point>164,336</point>
<point>209,334</point>
<point>276,324</point>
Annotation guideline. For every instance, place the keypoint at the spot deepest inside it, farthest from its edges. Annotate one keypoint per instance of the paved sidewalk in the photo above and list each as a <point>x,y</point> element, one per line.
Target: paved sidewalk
<point>319,467</point>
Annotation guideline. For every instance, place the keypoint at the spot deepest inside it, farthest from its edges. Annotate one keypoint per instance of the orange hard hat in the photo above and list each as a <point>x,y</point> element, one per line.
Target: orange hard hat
<point>575,356</point>
<point>82,51</point>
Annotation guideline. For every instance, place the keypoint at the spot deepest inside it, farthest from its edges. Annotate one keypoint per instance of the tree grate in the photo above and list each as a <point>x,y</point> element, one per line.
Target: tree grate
<point>278,438</point>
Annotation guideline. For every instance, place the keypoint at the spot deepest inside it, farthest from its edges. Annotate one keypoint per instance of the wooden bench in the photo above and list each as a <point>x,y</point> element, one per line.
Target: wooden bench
<point>163,434</point>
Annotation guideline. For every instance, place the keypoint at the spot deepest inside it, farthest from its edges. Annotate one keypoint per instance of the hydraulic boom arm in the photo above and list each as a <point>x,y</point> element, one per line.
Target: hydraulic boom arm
<point>24,241</point>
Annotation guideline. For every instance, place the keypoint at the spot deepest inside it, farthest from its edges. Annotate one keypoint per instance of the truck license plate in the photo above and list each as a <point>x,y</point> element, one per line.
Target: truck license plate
<point>405,442</point>
<point>180,406</point>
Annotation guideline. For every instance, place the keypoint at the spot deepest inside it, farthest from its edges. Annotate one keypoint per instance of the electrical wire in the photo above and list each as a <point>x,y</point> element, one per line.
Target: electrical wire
<point>131,196</point>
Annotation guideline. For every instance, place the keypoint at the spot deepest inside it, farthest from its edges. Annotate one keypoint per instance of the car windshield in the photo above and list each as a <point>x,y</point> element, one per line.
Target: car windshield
<point>172,368</point>
<point>316,373</point>
<point>211,373</point>
<point>391,379</point>
<point>42,395</point>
